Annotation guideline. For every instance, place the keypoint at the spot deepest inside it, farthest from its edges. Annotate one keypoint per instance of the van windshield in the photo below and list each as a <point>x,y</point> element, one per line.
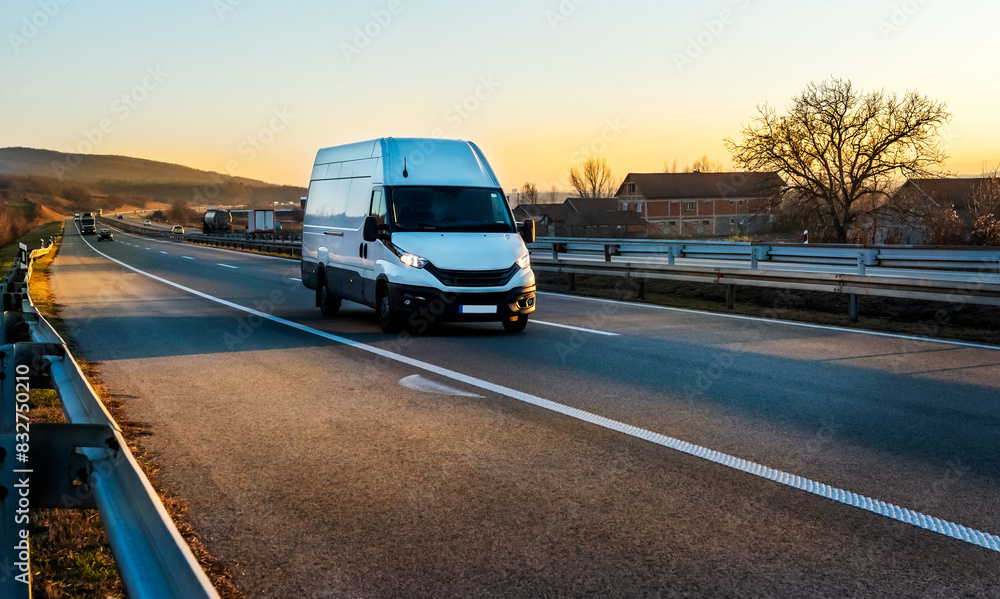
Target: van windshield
<point>454,209</point>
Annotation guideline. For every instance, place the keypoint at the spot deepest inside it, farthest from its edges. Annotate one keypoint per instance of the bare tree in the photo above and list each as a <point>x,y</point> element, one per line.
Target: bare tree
<point>529,194</point>
<point>553,195</point>
<point>594,180</point>
<point>837,147</point>
<point>984,206</point>
<point>701,165</point>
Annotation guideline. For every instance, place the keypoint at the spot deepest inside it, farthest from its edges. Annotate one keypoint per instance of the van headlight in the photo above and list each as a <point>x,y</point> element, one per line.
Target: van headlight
<point>407,258</point>
<point>524,261</point>
<point>413,260</point>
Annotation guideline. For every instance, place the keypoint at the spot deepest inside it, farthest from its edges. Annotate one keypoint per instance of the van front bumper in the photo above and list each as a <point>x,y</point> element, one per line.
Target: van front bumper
<point>429,305</point>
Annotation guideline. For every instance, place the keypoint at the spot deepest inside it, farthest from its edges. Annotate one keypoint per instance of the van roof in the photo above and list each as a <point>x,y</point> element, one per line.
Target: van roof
<point>426,161</point>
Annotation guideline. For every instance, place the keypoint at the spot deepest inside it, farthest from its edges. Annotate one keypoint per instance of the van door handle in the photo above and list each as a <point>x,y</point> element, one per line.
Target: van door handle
<point>361,251</point>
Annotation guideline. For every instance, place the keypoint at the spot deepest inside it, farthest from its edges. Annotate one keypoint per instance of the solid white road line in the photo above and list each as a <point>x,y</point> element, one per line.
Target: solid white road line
<point>888,510</point>
<point>566,326</point>
<point>791,323</point>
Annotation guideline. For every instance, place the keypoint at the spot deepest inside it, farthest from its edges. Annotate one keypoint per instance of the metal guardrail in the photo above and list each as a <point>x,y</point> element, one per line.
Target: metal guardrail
<point>743,263</point>
<point>274,246</point>
<point>85,463</point>
<point>959,275</point>
<point>889,256</point>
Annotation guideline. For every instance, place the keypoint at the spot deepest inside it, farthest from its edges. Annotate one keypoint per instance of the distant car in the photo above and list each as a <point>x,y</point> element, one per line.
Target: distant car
<point>105,234</point>
<point>146,222</point>
<point>177,229</point>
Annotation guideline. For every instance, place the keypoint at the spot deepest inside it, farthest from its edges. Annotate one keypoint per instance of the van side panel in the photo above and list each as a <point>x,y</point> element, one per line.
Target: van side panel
<point>336,206</point>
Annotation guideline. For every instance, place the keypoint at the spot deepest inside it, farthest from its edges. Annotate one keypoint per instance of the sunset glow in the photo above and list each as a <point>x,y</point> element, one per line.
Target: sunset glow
<point>254,88</point>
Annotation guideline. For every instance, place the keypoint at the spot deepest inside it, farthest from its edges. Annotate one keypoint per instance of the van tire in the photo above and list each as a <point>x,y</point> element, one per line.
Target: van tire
<point>515,324</point>
<point>390,320</point>
<point>329,304</point>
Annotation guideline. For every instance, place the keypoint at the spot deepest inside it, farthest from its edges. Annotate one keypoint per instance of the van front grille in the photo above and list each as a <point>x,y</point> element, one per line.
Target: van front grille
<point>472,278</point>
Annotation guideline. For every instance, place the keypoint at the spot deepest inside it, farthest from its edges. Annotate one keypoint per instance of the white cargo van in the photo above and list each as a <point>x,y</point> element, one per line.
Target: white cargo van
<point>420,230</point>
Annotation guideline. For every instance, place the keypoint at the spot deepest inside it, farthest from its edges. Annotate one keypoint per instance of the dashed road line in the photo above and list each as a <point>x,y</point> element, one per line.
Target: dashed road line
<point>791,323</point>
<point>227,265</point>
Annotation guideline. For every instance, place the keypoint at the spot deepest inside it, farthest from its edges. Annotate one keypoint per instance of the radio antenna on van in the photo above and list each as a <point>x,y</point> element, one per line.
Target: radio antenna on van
<point>405,174</point>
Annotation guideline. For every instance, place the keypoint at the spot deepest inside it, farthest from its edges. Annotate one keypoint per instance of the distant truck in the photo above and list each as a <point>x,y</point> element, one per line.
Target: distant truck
<point>88,224</point>
<point>216,220</point>
<point>260,222</point>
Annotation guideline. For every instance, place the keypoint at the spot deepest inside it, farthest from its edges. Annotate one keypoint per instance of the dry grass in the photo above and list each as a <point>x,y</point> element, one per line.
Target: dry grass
<point>71,556</point>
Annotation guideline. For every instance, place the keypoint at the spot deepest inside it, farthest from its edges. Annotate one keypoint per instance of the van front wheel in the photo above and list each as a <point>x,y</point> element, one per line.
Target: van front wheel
<point>389,319</point>
<point>329,304</point>
<point>515,324</point>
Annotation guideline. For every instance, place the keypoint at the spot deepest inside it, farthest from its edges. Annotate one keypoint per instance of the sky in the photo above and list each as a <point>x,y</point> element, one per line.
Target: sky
<point>254,88</point>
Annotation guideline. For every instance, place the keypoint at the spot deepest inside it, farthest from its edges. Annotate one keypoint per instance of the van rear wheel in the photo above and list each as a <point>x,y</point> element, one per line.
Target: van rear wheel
<point>390,320</point>
<point>515,324</point>
<point>329,304</point>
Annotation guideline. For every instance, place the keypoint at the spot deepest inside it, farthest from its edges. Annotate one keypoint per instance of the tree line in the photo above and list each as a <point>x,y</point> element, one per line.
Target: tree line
<point>842,153</point>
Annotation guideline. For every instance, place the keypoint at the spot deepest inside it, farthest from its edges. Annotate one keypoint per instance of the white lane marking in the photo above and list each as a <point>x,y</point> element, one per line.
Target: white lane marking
<point>792,323</point>
<point>419,383</point>
<point>294,279</point>
<point>187,257</point>
<point>162,252</point>
<point>888,510</point>
<point>227,265</point>
<point>217,249</point>
<point>566,326</point>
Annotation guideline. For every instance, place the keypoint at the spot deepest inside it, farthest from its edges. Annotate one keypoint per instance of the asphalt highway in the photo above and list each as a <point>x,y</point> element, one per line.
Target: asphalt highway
<point>603,452</point>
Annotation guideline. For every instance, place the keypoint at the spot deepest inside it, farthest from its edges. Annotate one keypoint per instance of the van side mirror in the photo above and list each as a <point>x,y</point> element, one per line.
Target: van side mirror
<point>528,231</point>
<point>369,231</point>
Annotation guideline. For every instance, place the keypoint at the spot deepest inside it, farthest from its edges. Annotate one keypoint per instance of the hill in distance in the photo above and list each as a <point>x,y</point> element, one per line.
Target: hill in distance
<point>95,169</point>
<point>51,178</point>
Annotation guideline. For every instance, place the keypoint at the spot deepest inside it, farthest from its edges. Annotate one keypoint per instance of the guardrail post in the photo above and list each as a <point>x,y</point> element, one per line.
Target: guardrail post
<point>730,296</point>
<point>753,258</point>
<point>852,307</point>
<point>861,263</point>
<point>640,293</point>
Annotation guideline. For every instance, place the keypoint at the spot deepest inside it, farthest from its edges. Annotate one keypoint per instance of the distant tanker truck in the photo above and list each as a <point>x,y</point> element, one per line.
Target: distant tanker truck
<point>216,221</point>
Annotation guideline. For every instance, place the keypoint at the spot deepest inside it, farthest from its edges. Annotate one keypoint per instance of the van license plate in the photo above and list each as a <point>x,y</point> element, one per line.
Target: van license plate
<point>477,309</point>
